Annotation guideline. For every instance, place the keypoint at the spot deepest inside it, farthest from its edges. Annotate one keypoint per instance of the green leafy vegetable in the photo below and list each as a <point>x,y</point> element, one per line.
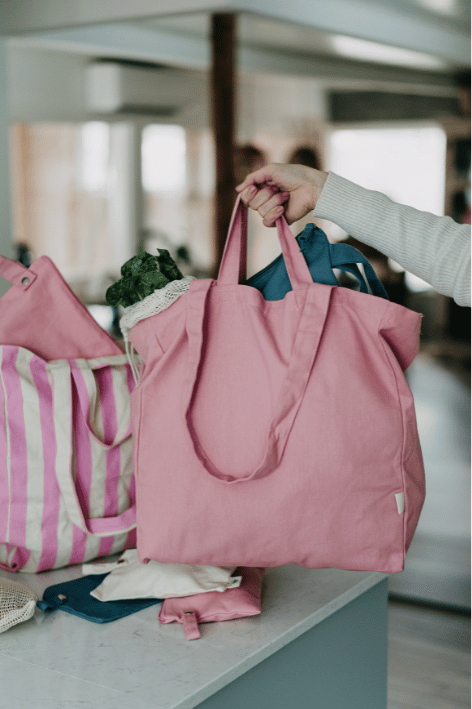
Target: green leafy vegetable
<point>141,276</point>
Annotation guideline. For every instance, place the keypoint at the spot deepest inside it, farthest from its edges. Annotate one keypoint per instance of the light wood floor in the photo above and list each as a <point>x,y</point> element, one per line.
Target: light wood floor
<point>429,658</point>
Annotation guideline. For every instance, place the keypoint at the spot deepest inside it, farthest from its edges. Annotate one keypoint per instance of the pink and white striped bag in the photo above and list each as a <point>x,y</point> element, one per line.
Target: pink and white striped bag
<point>66,483</point>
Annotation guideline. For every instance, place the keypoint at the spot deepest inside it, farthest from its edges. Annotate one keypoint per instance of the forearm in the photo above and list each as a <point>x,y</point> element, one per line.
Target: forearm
<point>436,249</point>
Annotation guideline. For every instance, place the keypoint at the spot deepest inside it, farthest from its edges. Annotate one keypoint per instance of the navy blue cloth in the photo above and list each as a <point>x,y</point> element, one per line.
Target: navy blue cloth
<point>76,599</point>
<point>321,256</point>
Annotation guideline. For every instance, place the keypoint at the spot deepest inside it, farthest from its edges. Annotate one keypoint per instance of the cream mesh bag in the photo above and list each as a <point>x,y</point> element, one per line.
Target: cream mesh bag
<point>17,603</point>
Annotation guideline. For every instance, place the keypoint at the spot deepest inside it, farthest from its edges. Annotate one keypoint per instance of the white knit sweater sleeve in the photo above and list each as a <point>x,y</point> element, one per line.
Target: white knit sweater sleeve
<point>436,249</point>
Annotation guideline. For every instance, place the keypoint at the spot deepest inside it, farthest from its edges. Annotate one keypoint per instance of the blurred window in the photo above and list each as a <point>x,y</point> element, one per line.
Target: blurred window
<point>163,151</point>
<point>365,50</point>
<point>406,163</point>
<point>94,154</point>
<point>61,191</point>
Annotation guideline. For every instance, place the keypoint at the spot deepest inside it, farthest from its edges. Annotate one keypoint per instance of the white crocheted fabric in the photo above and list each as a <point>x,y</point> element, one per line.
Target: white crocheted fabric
<point>151,305</point>
<point>17,603</point>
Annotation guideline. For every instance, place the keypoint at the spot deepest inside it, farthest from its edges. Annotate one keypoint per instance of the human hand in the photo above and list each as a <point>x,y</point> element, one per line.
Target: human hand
<point>277,189</point>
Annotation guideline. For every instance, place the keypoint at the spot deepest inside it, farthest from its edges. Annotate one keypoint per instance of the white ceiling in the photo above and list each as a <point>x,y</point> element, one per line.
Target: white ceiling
<point>262,33</point>
<point>317,38</point>
<point>455,13</point>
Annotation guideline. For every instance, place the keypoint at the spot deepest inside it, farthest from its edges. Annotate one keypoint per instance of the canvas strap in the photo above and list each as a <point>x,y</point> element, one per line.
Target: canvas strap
<point>62,397</point>
<point>346,258</point>
<point>233,264</point>
<point>315,302</point>
<point>83,376</point>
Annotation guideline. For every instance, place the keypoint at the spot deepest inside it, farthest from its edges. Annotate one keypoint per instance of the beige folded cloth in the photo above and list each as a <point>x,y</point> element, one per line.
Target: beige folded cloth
<point>129,579</point>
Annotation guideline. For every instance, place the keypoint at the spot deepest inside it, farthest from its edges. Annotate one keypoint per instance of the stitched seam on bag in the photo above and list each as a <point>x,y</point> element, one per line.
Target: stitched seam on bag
<point>136,433</point>
<point>410,454</point>
<point>347,296</point>
<point>158,342</point>
<point>388,354</point>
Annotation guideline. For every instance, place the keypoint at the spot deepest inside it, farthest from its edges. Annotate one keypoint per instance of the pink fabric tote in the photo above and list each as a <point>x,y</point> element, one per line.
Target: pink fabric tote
<point>66,483</point>
<point>276,432</point>
<point>41,313</point>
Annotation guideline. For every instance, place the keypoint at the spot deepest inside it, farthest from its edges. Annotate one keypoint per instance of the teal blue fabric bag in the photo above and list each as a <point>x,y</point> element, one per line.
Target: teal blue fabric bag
<point>321,256</point>
<point>74,597</point>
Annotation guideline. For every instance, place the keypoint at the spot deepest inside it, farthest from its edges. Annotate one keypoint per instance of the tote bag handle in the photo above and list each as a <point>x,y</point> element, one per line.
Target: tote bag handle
<point>82,374</point>
<point>233,264</point>
<point>311,324</point>
<point>62,396</point>
<point>322,257</point>
<point>346,258</point>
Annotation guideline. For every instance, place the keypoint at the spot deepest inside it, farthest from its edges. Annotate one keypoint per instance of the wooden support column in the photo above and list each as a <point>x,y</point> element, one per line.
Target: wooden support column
<point>223,75</point>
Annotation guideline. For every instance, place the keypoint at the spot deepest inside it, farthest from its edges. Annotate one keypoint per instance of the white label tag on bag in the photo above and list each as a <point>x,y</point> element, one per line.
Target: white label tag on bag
<point>400,498</point>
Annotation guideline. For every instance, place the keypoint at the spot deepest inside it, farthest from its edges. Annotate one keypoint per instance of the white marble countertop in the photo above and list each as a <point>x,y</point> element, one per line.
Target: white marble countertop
<point>60,661</point>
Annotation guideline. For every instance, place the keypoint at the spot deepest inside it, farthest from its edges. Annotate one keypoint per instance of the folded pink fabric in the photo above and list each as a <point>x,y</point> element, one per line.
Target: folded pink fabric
<point>238,602</point>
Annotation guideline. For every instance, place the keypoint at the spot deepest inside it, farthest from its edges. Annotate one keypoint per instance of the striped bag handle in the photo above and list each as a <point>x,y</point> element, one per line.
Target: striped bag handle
<point>62,403</point>
<point>85,382</point>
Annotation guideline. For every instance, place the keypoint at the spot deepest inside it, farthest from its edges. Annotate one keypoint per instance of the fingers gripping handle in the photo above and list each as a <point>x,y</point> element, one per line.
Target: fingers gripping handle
<point>233,264</point>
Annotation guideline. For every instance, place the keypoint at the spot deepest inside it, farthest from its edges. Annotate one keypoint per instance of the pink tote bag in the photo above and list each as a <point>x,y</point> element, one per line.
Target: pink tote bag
<point>66,482</point>
<point>41,313</point>
<point>276,432</point>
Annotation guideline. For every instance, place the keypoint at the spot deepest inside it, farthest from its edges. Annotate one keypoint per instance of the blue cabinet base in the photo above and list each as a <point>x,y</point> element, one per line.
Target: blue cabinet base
<point>341,663</point>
